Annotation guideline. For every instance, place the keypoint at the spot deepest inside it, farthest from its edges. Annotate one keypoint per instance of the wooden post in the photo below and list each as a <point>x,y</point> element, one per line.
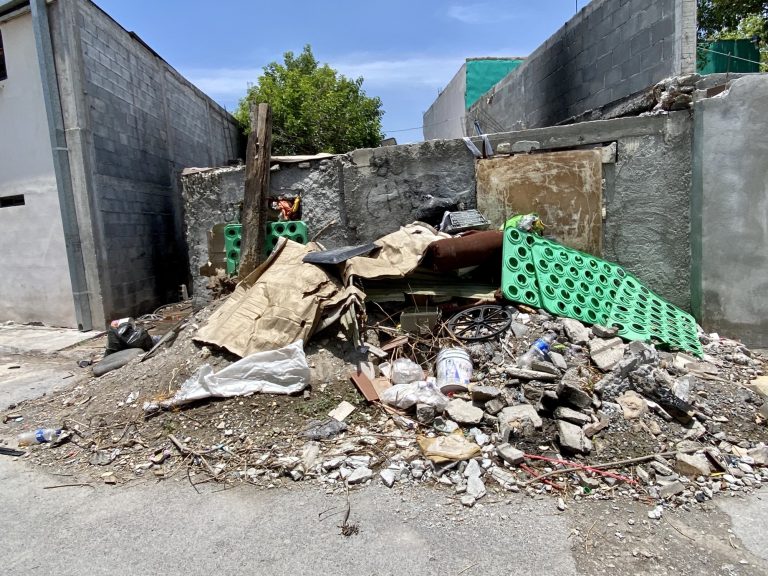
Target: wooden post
<point>258,154</point>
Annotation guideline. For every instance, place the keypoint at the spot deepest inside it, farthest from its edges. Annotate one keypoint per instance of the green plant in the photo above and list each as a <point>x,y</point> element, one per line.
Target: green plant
<point>314,108</point>
<point>734,20</point>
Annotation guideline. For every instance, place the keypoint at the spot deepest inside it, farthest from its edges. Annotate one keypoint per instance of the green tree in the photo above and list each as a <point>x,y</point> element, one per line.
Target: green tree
<point>735,19</point>
<point>314,108</point>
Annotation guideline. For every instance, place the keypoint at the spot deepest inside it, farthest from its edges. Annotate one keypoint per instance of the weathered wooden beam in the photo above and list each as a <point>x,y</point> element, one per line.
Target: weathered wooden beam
<point>258,154</point>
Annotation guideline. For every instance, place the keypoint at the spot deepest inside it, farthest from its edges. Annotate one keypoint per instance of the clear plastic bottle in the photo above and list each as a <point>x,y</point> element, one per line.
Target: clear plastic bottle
<point>39,436</point>
<point>538,351</point>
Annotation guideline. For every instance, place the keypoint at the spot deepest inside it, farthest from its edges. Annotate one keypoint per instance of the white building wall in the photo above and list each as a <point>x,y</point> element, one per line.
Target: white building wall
<point>34,276</point>
<point>445,119</point>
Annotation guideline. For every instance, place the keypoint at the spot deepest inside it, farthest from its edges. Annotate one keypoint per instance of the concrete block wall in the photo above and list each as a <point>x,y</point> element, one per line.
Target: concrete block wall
<point>609,50</point>
<point>445,117</point>
<point>146,124</point>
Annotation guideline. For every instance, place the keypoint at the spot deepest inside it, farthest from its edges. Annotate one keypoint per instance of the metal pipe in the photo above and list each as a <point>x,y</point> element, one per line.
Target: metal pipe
<point>61,166</point>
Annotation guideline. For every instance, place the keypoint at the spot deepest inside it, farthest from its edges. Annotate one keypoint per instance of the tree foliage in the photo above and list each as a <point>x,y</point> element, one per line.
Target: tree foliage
<point>717,17</point>
<point>314,108</point>
<point>733,20</point>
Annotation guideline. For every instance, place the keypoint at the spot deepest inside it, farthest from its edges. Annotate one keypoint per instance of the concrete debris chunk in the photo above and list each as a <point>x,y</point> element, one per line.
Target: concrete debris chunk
<point>692,465</point>
<point>494,406</point>
<point>576,331</point>
<point>593,428</point>
<point>475,487</point>
<point>547,367</point>
<point>504,477</point>
<point>656,513</point>
<point>425,413</point>
<point>572,438</point>
<point>571,394</point>
<point>558,360</point>
<point>464,412</point>
<point>524,374</point>
<point>360,475</point>
<point>671,489</point>
<point>601,331</point>
<point>759,455</point>
<point>467,500</point>
<point>632,404</point>
<point>472,469</point>
<point>510,454</point>
<point>388,477</point>
<point>519,417</point>
<point>572,416</point>
<point>485,393</point>
<point>606,354</point>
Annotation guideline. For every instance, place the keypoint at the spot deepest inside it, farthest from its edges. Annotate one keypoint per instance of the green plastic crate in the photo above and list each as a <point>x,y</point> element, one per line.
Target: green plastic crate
<point>544,274</point>
<point>232,239</point>
<point>295,230</point>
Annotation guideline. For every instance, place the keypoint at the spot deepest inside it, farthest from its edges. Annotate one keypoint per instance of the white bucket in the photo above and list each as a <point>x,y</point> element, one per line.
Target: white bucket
<point>454,369</point>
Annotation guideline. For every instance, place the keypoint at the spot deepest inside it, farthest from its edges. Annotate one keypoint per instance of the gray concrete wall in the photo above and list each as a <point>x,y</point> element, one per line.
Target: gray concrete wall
<point>730,212</point>
<point>445,118</point>
<point>609,50</point>
<point>647,192</point>
<point>144,124</point>
<point>34,280</point>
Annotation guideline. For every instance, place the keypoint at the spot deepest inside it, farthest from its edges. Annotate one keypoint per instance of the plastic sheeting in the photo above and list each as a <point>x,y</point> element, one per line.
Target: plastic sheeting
<point>404,396</point>
<point>282,371</point>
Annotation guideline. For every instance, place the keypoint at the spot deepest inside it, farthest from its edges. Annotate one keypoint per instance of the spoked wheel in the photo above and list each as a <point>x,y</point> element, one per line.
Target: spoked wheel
<point>480,322</point>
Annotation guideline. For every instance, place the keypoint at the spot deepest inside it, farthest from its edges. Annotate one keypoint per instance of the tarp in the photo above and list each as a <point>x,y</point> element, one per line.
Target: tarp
<point>399,254</point>
<point>283,371</point>
<point>282,301</point>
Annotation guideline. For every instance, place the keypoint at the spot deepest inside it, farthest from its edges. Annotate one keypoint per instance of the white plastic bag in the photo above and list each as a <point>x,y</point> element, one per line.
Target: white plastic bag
<point>404,396</point>
<point>282,371</point>
<point>405,371</point>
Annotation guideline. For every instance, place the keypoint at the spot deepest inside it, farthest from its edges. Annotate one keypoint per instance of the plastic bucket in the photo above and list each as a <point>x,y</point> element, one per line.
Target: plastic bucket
<point>454,369</point>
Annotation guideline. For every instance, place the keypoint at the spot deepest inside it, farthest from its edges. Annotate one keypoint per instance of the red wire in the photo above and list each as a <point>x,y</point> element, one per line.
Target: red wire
<point>583,467</point>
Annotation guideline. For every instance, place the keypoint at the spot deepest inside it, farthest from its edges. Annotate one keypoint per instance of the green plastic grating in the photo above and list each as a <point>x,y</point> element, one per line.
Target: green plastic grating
<point>295,230</point>
<point>642,315</point>
<point>566,282</point>
<point>518,275</point>
<point>232,239</point>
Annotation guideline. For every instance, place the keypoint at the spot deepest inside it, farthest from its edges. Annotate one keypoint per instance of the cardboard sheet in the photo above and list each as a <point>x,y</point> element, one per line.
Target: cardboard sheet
<point>282,301</point>
<point>399,253</point>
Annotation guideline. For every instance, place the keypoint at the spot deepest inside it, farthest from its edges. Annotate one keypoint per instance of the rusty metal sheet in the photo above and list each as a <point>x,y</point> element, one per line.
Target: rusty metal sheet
<point>564,188</point>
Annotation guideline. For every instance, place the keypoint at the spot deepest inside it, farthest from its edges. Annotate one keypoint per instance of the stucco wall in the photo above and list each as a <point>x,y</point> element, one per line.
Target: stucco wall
<point>609,50</point>
<point>730,212</point>
<point>647,192</point>
<point>34,281</point>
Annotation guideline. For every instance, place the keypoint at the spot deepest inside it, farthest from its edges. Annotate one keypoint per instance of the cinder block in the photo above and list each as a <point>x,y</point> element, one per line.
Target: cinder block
<point>640,42</point>
<point>651,56</point>
<point>663,29</point>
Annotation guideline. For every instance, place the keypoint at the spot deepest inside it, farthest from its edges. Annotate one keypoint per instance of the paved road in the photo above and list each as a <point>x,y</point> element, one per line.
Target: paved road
<point>169,529</point>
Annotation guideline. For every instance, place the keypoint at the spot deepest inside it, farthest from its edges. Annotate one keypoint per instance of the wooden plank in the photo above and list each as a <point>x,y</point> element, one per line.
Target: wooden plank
<point>564,188</point>
<point>258,156</point>
<point>365,386</point>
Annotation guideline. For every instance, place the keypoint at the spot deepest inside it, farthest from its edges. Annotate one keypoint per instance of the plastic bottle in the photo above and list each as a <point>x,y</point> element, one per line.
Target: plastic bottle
<point>39,436</point>
<point>538,352</point>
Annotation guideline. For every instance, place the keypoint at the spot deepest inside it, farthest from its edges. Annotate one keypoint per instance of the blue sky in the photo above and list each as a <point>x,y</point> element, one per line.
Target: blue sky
<point>405,50</point>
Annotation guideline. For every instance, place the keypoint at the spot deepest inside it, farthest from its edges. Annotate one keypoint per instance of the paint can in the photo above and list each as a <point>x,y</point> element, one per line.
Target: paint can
<point>454,370</point>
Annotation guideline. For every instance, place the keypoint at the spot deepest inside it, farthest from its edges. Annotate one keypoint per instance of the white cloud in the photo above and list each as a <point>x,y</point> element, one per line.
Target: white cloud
<point>426,71</point>
<point>478,14</point>
<point>414,71</point>
<point>225,83</point>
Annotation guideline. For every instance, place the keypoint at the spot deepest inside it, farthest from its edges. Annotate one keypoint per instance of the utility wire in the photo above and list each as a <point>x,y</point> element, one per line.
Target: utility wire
<point>731,56</point>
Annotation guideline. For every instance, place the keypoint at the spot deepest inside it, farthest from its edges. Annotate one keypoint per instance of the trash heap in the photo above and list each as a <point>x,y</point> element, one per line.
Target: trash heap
<point>396,365</point>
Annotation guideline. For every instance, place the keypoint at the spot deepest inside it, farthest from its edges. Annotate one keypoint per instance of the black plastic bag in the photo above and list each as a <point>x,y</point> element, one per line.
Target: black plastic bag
<point>125,336</point>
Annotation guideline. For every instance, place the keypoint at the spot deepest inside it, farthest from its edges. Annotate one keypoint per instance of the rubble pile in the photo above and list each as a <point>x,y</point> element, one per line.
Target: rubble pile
<point>598,418</point>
